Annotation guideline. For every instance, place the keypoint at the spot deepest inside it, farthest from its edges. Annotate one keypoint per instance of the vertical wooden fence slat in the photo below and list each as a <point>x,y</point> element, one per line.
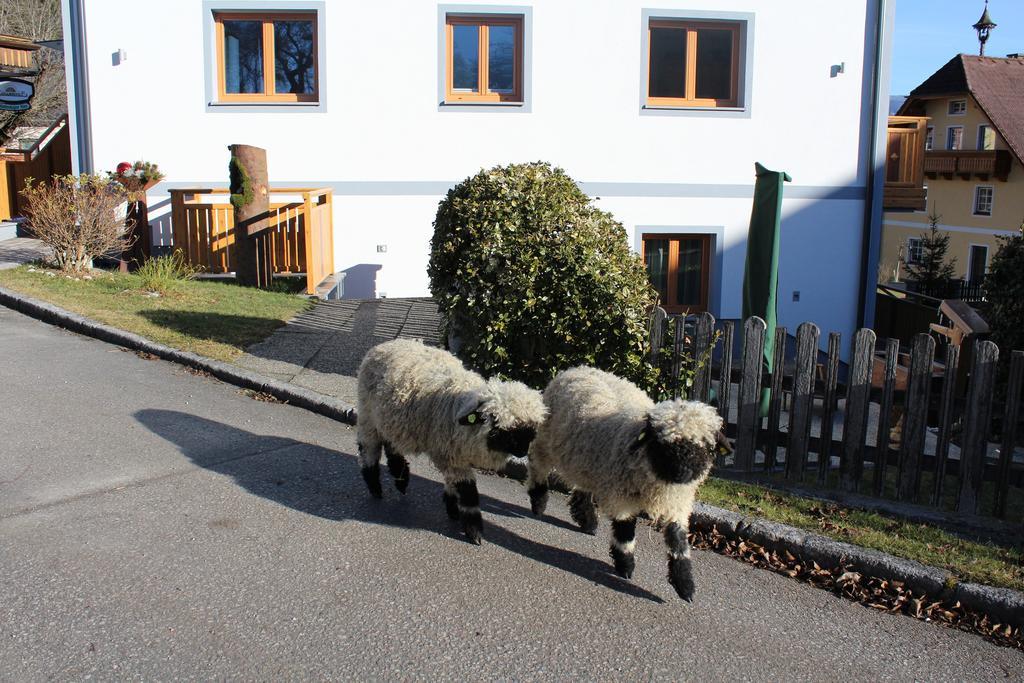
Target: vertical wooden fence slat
<point>701,352</point>
<point>1010,415</point>
<point>892,353</point>
<point>678,348</point>
<point>749,419</point>
<point>775,403</point>
<point>915,417</point>
<point>725,373</point>
<point>829,406</point>
<point>977,417</point>
<point>803,400</point>
<point>945,420</point>
<point>657,331</point>
<point>858,393</point>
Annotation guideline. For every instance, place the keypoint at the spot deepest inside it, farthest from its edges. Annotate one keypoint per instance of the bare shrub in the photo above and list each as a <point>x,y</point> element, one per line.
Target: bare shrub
<point>79,217</point>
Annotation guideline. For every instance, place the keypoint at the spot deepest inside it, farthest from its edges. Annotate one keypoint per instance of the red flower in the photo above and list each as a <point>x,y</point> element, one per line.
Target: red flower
<point>123,168</point>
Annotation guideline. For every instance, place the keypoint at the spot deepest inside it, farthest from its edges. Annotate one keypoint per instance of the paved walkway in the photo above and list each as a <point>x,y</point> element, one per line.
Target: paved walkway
<point>20,250</point>
<point>322,348</point>
<point>156,525</point>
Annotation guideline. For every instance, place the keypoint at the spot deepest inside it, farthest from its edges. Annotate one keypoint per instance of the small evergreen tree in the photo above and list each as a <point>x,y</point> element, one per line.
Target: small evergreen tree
<point>933,273</point>
<point>1004,293</point>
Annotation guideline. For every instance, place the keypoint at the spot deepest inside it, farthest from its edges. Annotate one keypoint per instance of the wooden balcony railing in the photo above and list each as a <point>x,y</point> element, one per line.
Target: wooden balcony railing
<point>983,164</point>
<point>904,170</point>
<point>301,232</point>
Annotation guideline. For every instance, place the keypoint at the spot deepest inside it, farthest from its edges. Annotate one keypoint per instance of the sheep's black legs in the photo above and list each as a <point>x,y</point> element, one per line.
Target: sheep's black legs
<point>451,500</point>
<point>369,461</point>
<point>398,466</point>
<point>583,512</point>
<point>623,544</point>
<point>538,490</point>
<point>680,569</point>
<point>469,510</point>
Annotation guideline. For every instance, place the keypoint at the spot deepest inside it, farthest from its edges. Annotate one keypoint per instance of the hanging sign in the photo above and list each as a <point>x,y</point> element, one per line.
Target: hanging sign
<point>15,94</point>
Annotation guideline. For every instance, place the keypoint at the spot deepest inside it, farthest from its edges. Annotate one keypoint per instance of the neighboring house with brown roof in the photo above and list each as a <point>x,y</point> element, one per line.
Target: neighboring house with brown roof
<point>973,163</point>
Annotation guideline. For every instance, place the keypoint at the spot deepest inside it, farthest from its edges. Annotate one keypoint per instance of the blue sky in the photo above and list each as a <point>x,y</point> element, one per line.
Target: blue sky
<point>930,32</point>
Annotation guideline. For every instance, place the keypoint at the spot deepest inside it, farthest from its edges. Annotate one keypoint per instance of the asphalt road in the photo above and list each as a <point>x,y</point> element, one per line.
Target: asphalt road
<point>159,525</point>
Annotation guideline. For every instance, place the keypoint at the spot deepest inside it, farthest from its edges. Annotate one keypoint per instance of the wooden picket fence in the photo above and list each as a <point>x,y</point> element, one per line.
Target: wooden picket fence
<point>818,389</point>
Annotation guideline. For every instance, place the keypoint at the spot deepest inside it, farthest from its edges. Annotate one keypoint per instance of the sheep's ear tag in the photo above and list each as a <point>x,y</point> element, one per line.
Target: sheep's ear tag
<point>470,419</point>
<point>640,440</point>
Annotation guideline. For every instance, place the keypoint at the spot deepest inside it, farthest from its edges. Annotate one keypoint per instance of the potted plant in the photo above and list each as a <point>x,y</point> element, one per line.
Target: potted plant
<point>137,177</point>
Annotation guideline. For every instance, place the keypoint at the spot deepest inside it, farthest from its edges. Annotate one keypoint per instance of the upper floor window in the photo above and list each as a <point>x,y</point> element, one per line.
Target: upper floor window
<point>484,58</point>
<point>955,137</point>
<point>957,107</point>
<point>267,57</point>
<point>693,64</point>
<point>986,137</point>
<point>983,200</point>
<point>915,251</point>
<point>929,140</point>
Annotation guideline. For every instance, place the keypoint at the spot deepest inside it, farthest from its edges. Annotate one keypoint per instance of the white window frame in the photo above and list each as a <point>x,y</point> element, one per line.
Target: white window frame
<point>970,261</point>
<point>981,141</point>
<point>949,141</point>
<point>962,112</point>
<point>911,249</point>
<point>991,201</point>
<point>929,139</point>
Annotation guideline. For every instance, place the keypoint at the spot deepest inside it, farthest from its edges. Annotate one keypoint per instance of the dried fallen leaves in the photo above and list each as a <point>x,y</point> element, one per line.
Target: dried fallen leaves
<point>260,396</point>
<point>880,594</point>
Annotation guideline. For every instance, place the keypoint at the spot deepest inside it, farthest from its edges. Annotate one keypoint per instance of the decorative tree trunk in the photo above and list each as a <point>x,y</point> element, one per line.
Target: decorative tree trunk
<point>251,199</point>
<point>138,234</point>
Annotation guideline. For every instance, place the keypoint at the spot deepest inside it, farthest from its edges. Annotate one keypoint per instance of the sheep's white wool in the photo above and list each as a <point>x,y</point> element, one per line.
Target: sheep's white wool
<point>589,438</point>
<point>412,396</point>
<point>679,420</point>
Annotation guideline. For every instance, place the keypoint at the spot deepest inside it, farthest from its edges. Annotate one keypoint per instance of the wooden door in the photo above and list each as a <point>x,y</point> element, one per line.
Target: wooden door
<point>679,269</point>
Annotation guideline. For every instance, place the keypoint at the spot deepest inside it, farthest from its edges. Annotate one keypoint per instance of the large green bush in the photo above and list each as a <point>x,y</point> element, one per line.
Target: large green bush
<point>532,278</point>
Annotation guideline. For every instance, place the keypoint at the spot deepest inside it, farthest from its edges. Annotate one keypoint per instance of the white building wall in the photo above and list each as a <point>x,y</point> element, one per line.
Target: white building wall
<point>389,151</point>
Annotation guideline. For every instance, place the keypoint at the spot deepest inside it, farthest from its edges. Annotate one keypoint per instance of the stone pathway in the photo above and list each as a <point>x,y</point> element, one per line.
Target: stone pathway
<point>322,348</point>
<point>14,252</point>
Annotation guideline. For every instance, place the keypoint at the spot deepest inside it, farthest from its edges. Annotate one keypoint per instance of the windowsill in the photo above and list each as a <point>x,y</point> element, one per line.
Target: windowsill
<point>665,107</point>
<point>257,103</point>
<point>482,104</point>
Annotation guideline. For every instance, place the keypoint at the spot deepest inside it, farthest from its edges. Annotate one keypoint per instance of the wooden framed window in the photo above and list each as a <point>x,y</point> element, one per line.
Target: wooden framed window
<point>986,137</point>
<point>484,58</point>
<point>679,269</point>
<point>957,107</point>
<point>983,200</point>
<point>954,137</point>
<point>692,64</point>
<point>267,57</point>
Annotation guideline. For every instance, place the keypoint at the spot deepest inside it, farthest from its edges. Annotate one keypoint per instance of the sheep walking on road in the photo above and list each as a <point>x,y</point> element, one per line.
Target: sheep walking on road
<point>613,444</point>
<point>414,399</point>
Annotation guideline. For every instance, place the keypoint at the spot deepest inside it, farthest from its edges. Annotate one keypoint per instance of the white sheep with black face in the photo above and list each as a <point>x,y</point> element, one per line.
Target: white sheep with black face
<point>414,399</point>
<point>606,438</point>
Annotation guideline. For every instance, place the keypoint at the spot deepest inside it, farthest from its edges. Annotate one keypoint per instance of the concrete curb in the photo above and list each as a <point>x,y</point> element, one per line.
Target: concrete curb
<point>289,393</point>
<point>1003,604</point>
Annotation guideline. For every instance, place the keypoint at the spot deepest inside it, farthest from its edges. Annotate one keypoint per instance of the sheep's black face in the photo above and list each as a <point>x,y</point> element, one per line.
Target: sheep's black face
<point>679,462</point>
<point>515,442</point>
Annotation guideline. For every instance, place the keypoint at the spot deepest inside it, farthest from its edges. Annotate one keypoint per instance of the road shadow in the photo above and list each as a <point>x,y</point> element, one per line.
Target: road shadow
<point>328,484</point>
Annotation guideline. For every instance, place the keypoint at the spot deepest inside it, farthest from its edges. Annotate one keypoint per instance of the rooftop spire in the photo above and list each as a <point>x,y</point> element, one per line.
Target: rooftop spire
<point>983,27</point>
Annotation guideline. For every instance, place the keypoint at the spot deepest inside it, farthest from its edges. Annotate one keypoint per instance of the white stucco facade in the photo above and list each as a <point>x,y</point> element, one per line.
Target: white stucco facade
<point>383,141</point>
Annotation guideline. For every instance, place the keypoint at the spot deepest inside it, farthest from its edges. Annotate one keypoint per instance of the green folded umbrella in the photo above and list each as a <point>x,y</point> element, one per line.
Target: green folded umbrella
<point>761,273</point>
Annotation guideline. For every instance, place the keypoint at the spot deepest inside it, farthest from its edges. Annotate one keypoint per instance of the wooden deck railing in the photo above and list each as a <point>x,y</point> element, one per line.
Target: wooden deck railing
<point>904,171</point>
<point>301,231</point>
<point>995,163</point>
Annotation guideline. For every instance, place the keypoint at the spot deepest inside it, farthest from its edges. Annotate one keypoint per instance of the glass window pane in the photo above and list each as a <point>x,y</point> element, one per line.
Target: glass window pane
<point>294,70</point>
<point>714,64</point>
<point>501,54</point>
<point>668,63</point>
<point>986,138</point>
<point>656,260</point>
<point>465,57</point>
<point>243,57</point>
<point>690,278</point>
